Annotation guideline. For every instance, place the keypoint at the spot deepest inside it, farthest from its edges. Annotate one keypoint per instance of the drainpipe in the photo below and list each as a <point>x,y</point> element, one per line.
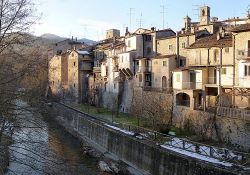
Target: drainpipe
<point>234,57</point>
<point>219,87</point>
<point>177,49</point>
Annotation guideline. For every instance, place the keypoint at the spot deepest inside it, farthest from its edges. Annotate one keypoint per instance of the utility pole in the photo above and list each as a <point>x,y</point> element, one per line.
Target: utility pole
<point>131,11</point>
<point>163,12</point>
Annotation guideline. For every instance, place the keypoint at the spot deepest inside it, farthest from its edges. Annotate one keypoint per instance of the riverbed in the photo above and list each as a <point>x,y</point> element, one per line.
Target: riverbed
<point>43,147</point>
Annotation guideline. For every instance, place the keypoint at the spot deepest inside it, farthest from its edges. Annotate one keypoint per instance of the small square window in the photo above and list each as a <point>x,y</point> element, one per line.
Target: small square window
<point>164,63</point>
<point>183,45</point>
<point>170,47</point>
<point>227,49</point>
<point>224,71</point>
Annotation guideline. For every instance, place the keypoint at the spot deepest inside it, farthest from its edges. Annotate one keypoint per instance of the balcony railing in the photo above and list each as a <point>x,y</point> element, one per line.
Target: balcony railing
<point>145,69</point>
<point>191,85</point>
<point>243,114</point>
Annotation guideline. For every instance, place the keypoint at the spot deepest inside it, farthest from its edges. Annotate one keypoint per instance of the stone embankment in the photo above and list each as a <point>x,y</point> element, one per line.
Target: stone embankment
<point>145,156</point>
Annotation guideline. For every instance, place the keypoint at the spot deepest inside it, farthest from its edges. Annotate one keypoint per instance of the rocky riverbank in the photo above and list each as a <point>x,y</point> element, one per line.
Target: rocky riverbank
<point>106,164</point>
<point>4,153</point>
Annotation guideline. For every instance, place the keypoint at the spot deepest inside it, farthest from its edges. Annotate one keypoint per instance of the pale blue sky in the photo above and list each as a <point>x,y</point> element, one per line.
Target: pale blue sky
<point>90,18</point>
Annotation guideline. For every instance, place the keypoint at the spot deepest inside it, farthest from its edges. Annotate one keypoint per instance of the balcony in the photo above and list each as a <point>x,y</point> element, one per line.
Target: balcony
<point>145,69</point>
<point>191,85</point>
<point>243,54</point>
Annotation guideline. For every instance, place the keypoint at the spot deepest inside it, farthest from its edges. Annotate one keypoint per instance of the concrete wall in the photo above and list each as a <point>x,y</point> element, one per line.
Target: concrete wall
<point>147,157</point>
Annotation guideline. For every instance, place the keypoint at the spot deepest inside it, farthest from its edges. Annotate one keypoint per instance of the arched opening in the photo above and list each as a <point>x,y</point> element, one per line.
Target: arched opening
<point>164,82</point>
<point>183,99</point>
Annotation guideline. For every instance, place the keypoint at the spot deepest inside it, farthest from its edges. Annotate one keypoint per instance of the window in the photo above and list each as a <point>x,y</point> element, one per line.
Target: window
<point>122,59</point>
<point>148,77</point>
<point>247,70</point>
<point>164,63</point>
<point>140,77</point>
<point>148,38</point>
<point>227,49</point>
<point>74,85</point>
<point>129,43</point>
<point>183,45</point>
<point>149,50</point>
<point>156,62</point>
<point>224,71</point>
<point>178,77</point>
<point>147,63</point>
<point>240,52</point>
<point>72,54</point>
<point>114,85</point>
<point>74,63</point>
<point>137,63</point>
<point>216,55</point>
<point>170,47</point>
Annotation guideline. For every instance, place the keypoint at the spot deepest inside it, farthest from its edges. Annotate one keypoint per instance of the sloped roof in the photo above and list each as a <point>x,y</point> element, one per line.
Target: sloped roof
<point>211,41</point>
<point>241,28</point>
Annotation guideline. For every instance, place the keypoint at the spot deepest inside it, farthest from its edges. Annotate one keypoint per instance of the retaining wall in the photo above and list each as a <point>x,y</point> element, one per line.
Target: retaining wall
<point>140,154</point>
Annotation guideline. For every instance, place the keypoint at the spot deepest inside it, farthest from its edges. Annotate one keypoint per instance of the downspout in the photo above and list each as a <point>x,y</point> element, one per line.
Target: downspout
<point>220,68</point>
<point>177,50</point>
<point>234,57</point>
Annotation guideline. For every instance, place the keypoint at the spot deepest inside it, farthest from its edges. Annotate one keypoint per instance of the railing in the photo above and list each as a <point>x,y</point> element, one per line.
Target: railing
<point>243,114</point>
<point>164,140</point>
<point>168,141</point>
<point>191,85</point>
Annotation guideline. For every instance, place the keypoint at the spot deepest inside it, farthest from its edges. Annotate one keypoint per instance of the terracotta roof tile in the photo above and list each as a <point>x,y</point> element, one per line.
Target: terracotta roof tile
<point>241,28</point>
<point>211,41</point>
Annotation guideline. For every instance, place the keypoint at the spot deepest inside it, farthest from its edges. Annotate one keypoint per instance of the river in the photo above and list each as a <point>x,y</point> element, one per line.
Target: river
<point>43,147</point>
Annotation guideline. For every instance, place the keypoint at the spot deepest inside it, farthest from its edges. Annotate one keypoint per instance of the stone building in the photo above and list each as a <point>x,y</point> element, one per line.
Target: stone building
<point>80,64</point>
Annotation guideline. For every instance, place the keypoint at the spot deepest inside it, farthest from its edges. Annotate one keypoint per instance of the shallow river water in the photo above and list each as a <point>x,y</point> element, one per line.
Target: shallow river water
<point>42,147</point>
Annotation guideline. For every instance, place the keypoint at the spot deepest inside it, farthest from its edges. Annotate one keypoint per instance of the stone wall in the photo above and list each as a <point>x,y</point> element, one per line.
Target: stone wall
<point>142,155</point>
<point>232,130</point>
<point>152,104</point>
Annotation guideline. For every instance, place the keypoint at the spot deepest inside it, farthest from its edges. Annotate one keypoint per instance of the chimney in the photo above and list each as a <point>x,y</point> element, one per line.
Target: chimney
<point>72,38</point>
<point>127,32</point>
<point>76,38</point>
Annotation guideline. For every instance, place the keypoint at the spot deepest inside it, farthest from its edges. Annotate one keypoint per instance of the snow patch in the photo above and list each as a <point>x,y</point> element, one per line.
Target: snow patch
<point>196,155</point>
<point>121,130</point>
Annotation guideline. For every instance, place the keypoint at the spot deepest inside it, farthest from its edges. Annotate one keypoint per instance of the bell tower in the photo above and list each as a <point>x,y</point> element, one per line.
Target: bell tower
<point>204,15</point>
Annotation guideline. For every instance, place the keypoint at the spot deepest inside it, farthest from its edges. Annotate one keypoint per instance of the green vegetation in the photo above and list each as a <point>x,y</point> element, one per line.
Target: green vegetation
<point>107,114</point>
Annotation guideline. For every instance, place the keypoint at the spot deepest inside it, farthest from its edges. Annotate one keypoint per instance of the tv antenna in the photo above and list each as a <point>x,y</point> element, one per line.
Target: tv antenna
<point>131,12</point>
<point>196,9</point>
<point>140,21</point>
<point>163,12</point>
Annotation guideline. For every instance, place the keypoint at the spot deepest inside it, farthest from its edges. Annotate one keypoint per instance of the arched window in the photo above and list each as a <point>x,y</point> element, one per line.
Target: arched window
<point>164,82</point>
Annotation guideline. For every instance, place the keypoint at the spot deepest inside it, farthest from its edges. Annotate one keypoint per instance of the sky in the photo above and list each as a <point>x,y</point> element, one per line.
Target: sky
<point>91,18</point>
